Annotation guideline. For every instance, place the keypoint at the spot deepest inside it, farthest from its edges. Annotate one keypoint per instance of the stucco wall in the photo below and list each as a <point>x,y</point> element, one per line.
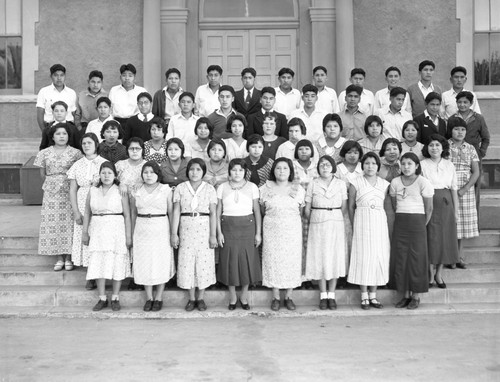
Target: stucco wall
<point>18,120</point>
<point>404,33</point>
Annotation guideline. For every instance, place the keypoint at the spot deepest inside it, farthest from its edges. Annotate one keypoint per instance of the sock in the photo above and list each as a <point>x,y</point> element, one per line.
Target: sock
<point>115,297</point>
<point>331,295</point>
<point>102,298</point>
<point>372,295</point>
<point>364,295</point>
<point>323,295</point>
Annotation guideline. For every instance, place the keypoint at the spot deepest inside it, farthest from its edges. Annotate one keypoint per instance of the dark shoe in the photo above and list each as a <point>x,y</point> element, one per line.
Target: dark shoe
<point>413,303</point>
<point>289,304</point>
<point>461,265</point>
<point>365,304</point>
<point>441,285</point>
<point>157,305</point>
<point>91,285</point>
<point>148,306</point>
<point>275,304</point>
<point>323,304</point>
<point>100,305</point>
<point>115,305</point>
<point>375,303</point>
<point>403,303</point>
<point>309,285</point>
<point>133,286</point>
<point>201,305</point>
<point>245,306</point>
<point>190,305</point>
<point>232,306</point>
<point>451,266</point>
<point>332,304</point>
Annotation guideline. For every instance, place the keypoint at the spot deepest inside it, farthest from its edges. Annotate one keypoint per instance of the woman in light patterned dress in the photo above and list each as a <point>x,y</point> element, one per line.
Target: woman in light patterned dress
<point>369,266</point>
<point>129,170</point>
<point>83,174</point>
<point>194,233</point>
<point>151,208</point>
<point>156,148</point>
<point>56,224</point>
<point>282,202</point>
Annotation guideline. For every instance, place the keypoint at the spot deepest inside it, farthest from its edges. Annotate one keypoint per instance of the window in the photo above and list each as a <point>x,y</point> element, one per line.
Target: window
<point>10,47</point>
<point>486,44</point>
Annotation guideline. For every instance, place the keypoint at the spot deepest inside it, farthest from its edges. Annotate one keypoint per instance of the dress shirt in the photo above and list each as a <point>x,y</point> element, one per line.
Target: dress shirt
<point>287,150</point>
<point>442,175</point>
<point>182,127</point>
<point>219,121</point>
<point>393,122</point>
<point>86,107</point>
<point>313,122</point>
<point>366,102</point>
<point>206,100</point>
<point>286,103</point>
<point>425,91</point>
<point>172,104</point>
<point>383,98</point>
<point>449,105</point>
<point>327,101</point>
<point>49,94</point>
<point>353,123</point>
<point>124,102</point>
<point>95,126</point>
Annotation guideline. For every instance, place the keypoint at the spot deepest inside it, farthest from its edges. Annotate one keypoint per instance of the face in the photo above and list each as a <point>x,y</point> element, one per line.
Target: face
<point>435,149</point>
<point>269,126</point>
<point>352,99</point>
<point>282,171</point>
<point>463,104</point>
<point>248,81</point>
<point>202,131</point>
<point>226,99</point>
<point>309,99</point>
<point>294,133</point>
<point>135,151</point>
<point>304,153</point>
<point>59,113</point>
<point>58,78</point>
<point>332,130</point>
<point>156,132</point>
<point>325,169</point>
<point>370,167</point>
<point>107,176</point>
<point>320,78</point>
<point>216,153</point>
<point>458,133</point>
<point>186,104</point>
<point>60,137</point>
<point>374,129</point>
<point>397,102</point>
<point>88,146</point>
<point>213,78</point>
<point>144,105</point>
<point>237,173</point>
<point>391,152</point>
<point>237,128</point>
<point>433,107</point>
<point>95,84</point>
<point>111,135</point>
<point>173,81</point>
<point>256,150</point>
<point>267,101</point>
<point>195,173</point>
<point>408,167</point>
<point>285,81</point>
<point>127,78</point>
<point>458,80</point>
<point>358,79</point>
<point>426,73</point>
<point>410,133</point>
<point>103,110</point>
<point>352,156</point>
<point>174,151</point>
<point>149,176</point>
<point>393,78</point>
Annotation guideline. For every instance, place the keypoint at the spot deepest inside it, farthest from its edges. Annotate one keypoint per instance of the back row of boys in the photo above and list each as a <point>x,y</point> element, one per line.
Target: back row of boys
<point>393,104</point>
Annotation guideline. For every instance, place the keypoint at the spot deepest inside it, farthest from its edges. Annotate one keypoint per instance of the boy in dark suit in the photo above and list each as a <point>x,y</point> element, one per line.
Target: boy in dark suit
<point>246,100</point>
<point>429,121</point>
<point>255,120</point>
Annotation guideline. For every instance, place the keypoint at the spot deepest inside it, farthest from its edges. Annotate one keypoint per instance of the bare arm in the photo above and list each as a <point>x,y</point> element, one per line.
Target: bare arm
<point>345,208</point>
<point>352,202</point>
<point>220,235</point>
<point>128,225</point>
<point>43,175</point>
<point>428,207</point>
<point>40,112</point>
<point>258,222</point>
<point>213,226</point>
<point>133,214</point>
<point>73,190</point>
<point>86,221</point>
<point>307,210</point>
<point>472,180</point>
<point>176,215</point>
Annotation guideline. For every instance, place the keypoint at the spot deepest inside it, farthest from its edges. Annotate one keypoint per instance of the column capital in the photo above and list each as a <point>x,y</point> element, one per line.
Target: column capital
<point>322,14</point>
<point>179,15</point>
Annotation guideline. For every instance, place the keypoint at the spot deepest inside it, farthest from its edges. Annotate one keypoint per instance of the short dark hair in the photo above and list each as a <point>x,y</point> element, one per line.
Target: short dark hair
<point>199,162</point>
<point>254,139</point>
<point>432,96</point>
<point>370,154</point>
<point>397,91</point>
<point>389,141</point>
<point>106,100</point>
<point>56,68</point>
<point>59,103</point>
<point>354,88</point>
<point>207,122</point>
<point>373,118</point>
<point>309,88</point>
<point>272,177</point>
<point>252,71</point>
<point>112,167</point>
<point>271,114</point>
<point>186,94</point>
<point>160,122</point>
<point>456,69</point>
<point>235,117</point>
<point>392,69</point>
<point>348,146</point>
<point>454,122</point>
<point>94,138</point>
<point>96,73</point>
<point>172,70</point>
<point>155,167</point>
<point>53,129</point>
<point>214,142</point>
<point>214,67</point>
<point>303,143</point>
<point>319,67</point>
<point>238,162</point>
<point>129,67</point>
<point>145,95</point>
<point>179,143</point>
<point>227,88</point>
<point>267,89</point>
<point>329,159</point>
<point>407,124</point>
<point>358,71</point>
<point>137,140</point>
<point>286,71</point>
<point>425,63</point>
<point>110,125</point>
<point>297,121</point>
<point>414,158</point>
<point>444,143</point>
<point>332,117</point>
<point>465,94</point>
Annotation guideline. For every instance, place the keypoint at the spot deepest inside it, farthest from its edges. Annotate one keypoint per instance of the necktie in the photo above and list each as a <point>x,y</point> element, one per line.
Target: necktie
<point>248,98</point>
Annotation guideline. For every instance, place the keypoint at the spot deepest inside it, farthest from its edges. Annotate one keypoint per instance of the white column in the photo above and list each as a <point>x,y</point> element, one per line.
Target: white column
<point>151,45</point>
<point>345,41</point>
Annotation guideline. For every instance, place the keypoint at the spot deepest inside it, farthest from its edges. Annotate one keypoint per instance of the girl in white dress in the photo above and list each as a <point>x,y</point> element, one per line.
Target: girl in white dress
<point>236,146</point>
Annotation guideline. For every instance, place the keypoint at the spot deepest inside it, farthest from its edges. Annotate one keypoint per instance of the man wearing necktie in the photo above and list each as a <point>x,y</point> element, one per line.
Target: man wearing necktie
<point>246,100</point>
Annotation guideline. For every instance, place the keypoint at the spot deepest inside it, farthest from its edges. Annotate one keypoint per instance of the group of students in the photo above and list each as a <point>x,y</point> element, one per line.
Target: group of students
<point>256,199</point>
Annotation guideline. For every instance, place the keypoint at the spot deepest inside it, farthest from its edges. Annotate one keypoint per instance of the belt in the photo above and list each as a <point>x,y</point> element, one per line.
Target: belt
<point>326,208</point>
<point>121,213</point>
<point>151,215</point>
<point>195,214</point>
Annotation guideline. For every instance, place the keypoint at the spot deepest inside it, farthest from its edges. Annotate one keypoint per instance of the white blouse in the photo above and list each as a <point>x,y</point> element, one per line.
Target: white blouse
<point>442,175</point>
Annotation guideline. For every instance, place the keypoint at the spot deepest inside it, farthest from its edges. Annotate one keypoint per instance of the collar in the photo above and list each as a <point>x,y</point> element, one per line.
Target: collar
<point>421,86</point>
<point>264,112</point>
<point>219,111</point>
<point>453,144</point>
<point>89,93</point>
<point>261,162</point>
<point>337,145</point>
<point>427,115</point>
<point>179,91</point>
<point>121,87</point>
<point>388,110</point>
<point>54,88</point>
<point>293,91</point>
<point>149,116</point>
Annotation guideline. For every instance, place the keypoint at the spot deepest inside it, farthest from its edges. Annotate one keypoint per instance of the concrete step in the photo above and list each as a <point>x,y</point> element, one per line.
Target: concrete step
<point>487,238</point>
<point>18,242</point>
<point>41,275</point>
<point>71,296</point>
<point>480,255</point>
<point>475,273</point>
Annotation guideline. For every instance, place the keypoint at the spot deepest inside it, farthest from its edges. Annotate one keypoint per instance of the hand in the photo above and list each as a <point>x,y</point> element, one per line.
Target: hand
<point>78,218</point>
<point>461,192</point>
<point>123,190</point>
<point>212,241</point>
<point>258,240</point>
<point>128,242</point>
<point>85,238</point>
<point>174,240</point>
<point>221,240</point>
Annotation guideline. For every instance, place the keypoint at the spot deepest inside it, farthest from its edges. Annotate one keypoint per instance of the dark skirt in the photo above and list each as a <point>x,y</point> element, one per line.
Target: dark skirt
<point>409,261</point>
<point>239,262</point>
<point>442,230</point>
